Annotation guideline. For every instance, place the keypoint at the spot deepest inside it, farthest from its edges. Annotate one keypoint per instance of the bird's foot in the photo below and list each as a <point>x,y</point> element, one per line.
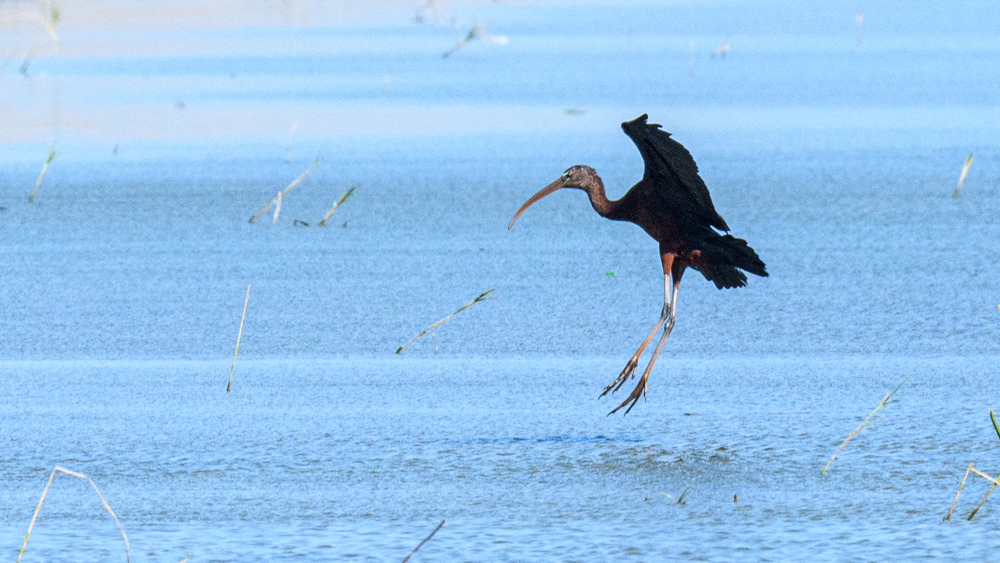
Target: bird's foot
<point>633,398</point>
<point>628,371</point>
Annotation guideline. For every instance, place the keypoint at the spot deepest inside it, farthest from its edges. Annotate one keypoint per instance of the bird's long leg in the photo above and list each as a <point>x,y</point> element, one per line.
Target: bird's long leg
<point>629,369</point>
<point>640,387</point>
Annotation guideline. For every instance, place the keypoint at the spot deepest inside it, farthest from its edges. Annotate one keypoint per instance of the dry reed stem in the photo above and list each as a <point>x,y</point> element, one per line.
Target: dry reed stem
<point>976,509</point>
<point>277,207</point>
<point>277,199</point>
<point>238,335</point>
<point>343,197</point>
<point>965,170</point>
<point>38,182</point>
<point>478,298</point>
<point>994,421</point>
<point>954,502</point>
<point>42,499</point>
<point>862,425</point>
<point>995,481</point>
<point>407,558</point>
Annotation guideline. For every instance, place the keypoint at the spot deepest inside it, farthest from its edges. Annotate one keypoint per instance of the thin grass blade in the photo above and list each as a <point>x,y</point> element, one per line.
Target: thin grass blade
<point>99,495</point>
<point>965,170</point>
<point>238,335</point>
<point>343,197</point>
<point>38,182</point>
<point>477,299</point>
<point>421,544</point>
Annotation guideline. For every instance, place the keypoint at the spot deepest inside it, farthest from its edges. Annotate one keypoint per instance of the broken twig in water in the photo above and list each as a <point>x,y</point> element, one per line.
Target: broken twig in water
<point>421,544</point>
<point>238,335</point>
<point>862,425</point>
<point>38,182</point>
<point>965,170</point>
<point>46,490</point>
<point>480,297</point>
<point>276,200</point>
<point>343,197</point>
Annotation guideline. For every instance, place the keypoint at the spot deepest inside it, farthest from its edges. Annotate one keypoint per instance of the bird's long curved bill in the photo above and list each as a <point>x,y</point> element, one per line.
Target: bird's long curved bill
<point>541,193</point>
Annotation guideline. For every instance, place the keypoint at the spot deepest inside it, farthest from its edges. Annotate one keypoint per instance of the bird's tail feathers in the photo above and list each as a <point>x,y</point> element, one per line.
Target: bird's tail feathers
<point>725,256</point>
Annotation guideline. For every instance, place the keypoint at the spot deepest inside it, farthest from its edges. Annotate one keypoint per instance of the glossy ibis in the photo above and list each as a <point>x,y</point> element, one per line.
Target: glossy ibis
<point>671,203</point>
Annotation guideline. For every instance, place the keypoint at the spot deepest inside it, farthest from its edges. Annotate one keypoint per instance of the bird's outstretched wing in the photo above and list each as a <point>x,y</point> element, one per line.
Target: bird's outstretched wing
<point>673,173</point>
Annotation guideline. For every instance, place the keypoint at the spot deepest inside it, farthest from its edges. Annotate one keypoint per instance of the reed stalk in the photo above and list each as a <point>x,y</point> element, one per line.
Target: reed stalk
<point>954,502</point>
<point>965,170</point>
<point>38,182</point>
<point>42,499</point>
<point>862,425</point>
<point>475,32</point>
<point>478,298</point>
<point>421,544</point>
<point>277,199</point>
<point>343,197</point>
<point>995,481</point>
<point>238,335</point>
<point>277,207</point>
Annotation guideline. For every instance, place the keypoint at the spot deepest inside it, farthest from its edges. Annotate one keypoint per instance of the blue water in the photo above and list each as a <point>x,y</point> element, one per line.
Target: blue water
<point>834,155</point>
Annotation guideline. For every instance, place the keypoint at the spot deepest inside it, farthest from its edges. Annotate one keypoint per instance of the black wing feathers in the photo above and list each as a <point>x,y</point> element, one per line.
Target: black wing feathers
<point>673,172</point>
<point>680,192</point>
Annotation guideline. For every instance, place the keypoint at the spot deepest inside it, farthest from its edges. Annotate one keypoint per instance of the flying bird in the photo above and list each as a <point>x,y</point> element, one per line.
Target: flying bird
<point>671,203</point>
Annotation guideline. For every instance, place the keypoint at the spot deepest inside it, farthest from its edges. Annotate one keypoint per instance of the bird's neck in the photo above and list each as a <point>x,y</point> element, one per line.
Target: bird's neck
<point>598,199</point>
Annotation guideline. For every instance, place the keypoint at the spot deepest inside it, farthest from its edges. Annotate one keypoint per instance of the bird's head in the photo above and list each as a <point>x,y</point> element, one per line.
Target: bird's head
<point>579,177</point>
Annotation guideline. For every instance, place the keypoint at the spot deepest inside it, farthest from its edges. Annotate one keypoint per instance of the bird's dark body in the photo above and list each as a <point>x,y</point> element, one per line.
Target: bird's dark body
<point>672,205</point>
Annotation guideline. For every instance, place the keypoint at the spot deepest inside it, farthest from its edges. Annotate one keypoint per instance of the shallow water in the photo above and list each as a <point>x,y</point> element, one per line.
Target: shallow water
<point>122,286</point>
